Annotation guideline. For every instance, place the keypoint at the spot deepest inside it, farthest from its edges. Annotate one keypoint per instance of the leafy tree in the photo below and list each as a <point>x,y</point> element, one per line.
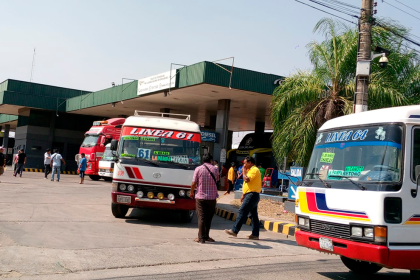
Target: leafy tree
<point>307,99</point>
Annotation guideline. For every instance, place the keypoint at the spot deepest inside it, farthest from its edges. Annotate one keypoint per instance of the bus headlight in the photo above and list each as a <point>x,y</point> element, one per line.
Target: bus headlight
<point>303,222</point>
<point>130,188</point>
<point>188,193</point>
<point>160,195</point>
<point>150,195</point>
<point>357,231</point>
<point>181,193</point>
<point>171,196</point>
<point>140,194</point>
<point>123,187</point>
<point>368,232</point>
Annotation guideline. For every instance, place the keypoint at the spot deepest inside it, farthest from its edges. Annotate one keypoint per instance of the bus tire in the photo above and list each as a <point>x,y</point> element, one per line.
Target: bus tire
<point>415,274</point>
<point>95,177</point>
<point>119,210</point>
<point>187,216</point>
<point>360,267</point>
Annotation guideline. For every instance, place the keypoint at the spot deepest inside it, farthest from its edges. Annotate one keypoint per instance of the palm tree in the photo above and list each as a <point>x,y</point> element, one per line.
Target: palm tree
<point>307,99</point>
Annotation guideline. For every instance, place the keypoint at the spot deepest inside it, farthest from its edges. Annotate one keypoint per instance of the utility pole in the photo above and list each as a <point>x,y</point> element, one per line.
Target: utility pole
<point>363,57</point>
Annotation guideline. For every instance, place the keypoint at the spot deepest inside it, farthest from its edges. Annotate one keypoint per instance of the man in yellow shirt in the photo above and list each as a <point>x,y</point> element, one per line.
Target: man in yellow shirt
<point>250,197</point>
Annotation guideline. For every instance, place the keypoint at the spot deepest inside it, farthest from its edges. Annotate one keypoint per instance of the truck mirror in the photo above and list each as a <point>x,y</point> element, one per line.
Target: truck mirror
<point>417,174</point>
<point>114,145</point>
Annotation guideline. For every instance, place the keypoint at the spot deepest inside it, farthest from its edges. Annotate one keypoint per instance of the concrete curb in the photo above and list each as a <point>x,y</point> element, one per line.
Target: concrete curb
<point>274,226</point>
<point>42,170</point>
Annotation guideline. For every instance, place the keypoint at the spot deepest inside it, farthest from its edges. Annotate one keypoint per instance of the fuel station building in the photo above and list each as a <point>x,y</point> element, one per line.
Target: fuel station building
<point>220,98</point>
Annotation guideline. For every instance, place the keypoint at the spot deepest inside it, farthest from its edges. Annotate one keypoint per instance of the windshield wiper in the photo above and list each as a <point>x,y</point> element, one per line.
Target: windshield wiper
<point>323,182</point>
<point>148,161</point>
<point>360,186</point>
<point>290,179</point>
<point>186,165</point>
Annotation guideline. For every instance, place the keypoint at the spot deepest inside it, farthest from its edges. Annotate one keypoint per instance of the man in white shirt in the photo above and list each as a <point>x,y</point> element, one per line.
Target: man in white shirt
<point>47,163</point>
<point>56,160</point>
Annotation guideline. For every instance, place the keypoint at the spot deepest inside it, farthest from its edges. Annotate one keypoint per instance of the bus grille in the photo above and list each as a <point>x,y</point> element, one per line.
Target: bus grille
<point>330,229</point>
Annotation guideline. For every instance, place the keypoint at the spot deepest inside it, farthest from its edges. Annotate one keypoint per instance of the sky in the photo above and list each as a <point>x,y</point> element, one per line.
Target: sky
<point>90,44</point>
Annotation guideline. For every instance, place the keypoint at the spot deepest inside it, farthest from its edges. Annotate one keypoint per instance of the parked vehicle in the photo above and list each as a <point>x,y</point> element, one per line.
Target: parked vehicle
<point>100,134</point>
<point>106,164</point>
<point>359,198</point>
<point>156,160</point>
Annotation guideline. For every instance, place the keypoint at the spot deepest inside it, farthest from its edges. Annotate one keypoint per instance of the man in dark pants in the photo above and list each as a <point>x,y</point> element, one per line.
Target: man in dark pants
<point>204,180</point>
<point>47,162</point>
<point>20,163</point>
<point>250,197</point>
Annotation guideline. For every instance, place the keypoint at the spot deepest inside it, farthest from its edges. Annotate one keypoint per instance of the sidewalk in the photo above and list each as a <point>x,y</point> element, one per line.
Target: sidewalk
<point>226,210</point>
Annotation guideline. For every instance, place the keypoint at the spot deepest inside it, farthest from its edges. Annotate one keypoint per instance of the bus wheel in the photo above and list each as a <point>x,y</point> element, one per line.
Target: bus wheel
<point>187,216</point>
<point>119,210</point>
<point>95,177</point>
<point>415,274</point>
<point>360,267</point>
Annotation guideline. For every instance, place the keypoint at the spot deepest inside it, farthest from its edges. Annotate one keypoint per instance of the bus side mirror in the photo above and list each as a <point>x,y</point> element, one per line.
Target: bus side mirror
<point>417,174</point>
<point>114,145</point>
<point>103,139</point>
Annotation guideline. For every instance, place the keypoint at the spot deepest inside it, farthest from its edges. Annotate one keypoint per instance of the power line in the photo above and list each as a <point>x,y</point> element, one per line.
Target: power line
<point>344,6</point>
<point>407,6</point>
<point>329,7</point>
<point>401,10</point>
<point>398,35</point>
<point>326,12</point>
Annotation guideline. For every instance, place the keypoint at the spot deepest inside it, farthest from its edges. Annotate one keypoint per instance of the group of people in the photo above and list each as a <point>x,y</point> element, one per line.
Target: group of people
<point>204,190</point>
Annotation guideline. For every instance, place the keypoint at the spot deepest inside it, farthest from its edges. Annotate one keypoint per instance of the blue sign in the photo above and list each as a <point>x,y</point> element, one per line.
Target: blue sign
<point>208,136</point>
<point>296,174</point>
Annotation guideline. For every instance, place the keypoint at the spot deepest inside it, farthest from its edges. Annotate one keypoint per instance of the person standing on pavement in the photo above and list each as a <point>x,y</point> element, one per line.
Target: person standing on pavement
<point>21,161</point>
<point>56,160</point>
<point>47,163</point>
<point>250,197</point>
<point>2,161</point>
<point>204,180</point>
<point>82,168</point>
<point>231,178</point>
<point>262,170</point>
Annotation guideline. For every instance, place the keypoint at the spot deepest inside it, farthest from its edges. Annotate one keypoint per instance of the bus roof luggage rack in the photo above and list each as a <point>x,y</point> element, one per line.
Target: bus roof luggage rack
<point>139,113</point>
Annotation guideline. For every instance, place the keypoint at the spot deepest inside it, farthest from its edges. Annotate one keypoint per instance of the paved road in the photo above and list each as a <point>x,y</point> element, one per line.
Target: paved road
<point>63,230</point>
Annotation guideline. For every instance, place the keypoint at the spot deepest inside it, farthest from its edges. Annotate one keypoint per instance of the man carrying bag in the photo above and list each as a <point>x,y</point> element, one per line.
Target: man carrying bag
<point>204,180</point>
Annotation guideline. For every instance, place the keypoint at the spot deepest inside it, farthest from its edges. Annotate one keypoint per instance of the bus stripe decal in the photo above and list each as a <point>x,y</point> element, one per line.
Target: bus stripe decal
<point>129,172</point>
<point>313,206</point>
<point>137,173</point>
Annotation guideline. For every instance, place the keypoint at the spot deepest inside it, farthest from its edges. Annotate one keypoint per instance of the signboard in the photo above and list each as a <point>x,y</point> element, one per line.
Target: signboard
<point>223,156</point>
<point>156,82</point>
<point>208,136</point>
<point>296,172</point>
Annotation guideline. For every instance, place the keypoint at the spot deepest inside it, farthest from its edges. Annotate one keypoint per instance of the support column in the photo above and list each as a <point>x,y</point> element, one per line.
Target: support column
<point>259,127</point>
<point>6,139</point>
<point>165,110</point>
<point>222,124</point>
<point>52,130</point>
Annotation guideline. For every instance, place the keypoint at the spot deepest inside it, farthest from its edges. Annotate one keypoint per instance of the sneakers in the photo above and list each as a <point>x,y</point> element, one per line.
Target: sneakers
<point>253,237</point>
<point>230,232</point>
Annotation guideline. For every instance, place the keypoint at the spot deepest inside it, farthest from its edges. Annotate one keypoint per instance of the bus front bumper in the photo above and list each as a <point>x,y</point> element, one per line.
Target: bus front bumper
<point>135,202</point>
<point>378,254</point>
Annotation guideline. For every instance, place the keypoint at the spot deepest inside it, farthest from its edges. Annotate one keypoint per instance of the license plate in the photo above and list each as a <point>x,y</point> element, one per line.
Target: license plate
<point>124,199</point>
<point>326,244</point>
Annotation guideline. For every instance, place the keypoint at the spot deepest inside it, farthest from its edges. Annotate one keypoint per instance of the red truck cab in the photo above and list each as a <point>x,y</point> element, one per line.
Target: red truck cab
<point>93,146</point>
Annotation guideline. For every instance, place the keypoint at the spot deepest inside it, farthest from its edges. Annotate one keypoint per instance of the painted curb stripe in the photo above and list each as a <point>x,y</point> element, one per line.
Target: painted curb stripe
<point>279,227</point>
<point>42,170</point>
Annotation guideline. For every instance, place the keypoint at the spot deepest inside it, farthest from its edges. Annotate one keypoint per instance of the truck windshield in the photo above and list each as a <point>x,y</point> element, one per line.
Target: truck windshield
<point>364,154</point>
<point>90,140</point>
<point>166,150</point>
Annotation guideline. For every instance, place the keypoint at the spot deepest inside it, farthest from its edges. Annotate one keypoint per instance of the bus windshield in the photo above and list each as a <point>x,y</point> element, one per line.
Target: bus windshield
<point>108,154</point>
<point>160,149</point>
<point>90,140</point>
<point>365,154</point>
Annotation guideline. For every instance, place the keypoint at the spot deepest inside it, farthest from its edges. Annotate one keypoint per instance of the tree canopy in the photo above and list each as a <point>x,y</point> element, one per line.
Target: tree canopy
<point>303,102</point>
